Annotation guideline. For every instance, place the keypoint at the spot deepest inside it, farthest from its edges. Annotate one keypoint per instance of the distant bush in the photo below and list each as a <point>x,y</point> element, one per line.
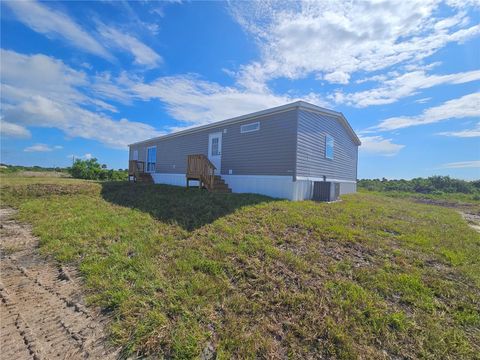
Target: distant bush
<point>91,169</point>
<point>8,169</point>
<point>432,185</point>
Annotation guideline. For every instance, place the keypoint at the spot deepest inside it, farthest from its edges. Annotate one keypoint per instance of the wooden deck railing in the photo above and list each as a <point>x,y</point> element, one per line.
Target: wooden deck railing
<point>136,167</point>
<point>200,168</point>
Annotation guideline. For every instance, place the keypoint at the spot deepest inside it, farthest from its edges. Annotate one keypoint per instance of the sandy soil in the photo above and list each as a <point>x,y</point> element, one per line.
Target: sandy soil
<point>41,308</point>
<point>469,212</point>
<point>473,220</point>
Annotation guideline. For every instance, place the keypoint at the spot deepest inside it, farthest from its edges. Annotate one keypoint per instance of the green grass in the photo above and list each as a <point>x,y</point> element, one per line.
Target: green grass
<point>469,202</point>
<point>180,270</point>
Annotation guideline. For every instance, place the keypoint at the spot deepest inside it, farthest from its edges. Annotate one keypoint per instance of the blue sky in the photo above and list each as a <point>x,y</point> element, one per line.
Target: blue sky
<point>88,78</point>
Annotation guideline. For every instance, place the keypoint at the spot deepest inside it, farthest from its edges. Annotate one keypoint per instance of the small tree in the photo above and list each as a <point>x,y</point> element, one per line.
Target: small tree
<point>91,169</point>
<point>86,169</point>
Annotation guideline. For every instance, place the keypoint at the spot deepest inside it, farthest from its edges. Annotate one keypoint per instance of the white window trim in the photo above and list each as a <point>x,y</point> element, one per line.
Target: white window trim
<point>327,137</point>
<point>247,131</point>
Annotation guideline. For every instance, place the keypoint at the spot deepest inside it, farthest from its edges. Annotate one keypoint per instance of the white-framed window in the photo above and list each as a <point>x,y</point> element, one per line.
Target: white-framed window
<point>329,147</point>
<point>151,158</point>
<point>215,146</point>
<point>250,127</point>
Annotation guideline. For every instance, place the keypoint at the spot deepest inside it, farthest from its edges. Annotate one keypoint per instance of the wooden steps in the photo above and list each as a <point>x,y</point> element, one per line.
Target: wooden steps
<point>144,177</point>
<point>136,172</point>
<point>201,169</point>
<point>219,185</point>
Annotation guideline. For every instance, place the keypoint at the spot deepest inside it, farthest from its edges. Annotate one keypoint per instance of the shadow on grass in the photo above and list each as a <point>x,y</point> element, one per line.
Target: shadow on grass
<point>189,208</point>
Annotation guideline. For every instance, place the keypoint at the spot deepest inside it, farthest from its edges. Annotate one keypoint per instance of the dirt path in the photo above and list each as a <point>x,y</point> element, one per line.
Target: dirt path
<point>41,309</point>
<point>473,220</point>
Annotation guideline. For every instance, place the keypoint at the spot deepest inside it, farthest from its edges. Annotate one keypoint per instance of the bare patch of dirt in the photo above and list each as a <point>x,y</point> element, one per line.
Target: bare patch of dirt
<point>473,220</point>
<point>42,311</point>
<point>450,204</point>
<point>469,212</point>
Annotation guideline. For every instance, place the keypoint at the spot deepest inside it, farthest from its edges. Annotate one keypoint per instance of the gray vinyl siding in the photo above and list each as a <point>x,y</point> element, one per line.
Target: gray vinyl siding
<point>268,151</point>
<point>311,161</point>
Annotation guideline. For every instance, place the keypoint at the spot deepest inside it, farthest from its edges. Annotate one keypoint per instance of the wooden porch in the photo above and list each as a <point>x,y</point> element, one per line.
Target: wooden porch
<point>201,169</point>
<point>137,173</point>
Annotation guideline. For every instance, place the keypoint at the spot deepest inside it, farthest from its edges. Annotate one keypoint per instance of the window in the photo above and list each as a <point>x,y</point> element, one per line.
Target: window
<point>215,147</point>
<point>328,147</point>
<point>151,158</point>
<point>250,127</point>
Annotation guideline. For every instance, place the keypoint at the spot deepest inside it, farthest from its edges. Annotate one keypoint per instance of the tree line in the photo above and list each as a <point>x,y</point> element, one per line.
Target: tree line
<point>89,169</point>
<point>430,185</point>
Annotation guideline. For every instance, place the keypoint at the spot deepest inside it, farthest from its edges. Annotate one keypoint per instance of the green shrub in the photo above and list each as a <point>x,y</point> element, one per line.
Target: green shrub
<point>91,169</point>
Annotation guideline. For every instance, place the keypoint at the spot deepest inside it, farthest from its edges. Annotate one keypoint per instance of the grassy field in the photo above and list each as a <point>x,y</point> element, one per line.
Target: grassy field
<point>468,202</point>
<point>185,273</point>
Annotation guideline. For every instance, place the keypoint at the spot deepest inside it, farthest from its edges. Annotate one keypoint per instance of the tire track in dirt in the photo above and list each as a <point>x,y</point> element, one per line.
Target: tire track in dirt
<point>42,311</point>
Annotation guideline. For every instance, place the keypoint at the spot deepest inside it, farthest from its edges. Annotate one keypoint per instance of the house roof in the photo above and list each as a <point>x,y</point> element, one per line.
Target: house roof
<point>295,105</point>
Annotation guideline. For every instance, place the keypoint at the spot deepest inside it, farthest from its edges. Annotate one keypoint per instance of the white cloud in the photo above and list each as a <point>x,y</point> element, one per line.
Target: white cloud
<point>462,3</point>
<point>114,88</point>
<point>379,146</point>
<point>400,86</point>
<point>155,8</point>
<point>466,106</point>
<point>467,133</point>
<point>337,77</point>
<point>423,100</point>
<point>39,148</point>
<point>153,28</point>
<point>58,147</point>
<point>143,54</point>
<point>75,121</point>
<point>461,165</point>
<point>421,66</point>
<point>381,77</point>
<point>14,130</point>
<point>190,99</point>
<point>319,37</point>
<point>87,156</point>
<point>54,23</point>
<point>40,91</point>
<point>24,76</point>
<point>86,65</point>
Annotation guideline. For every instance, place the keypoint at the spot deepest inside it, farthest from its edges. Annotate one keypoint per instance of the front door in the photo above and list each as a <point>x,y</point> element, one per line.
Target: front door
<point>151,159</point>
<point>215,150</point>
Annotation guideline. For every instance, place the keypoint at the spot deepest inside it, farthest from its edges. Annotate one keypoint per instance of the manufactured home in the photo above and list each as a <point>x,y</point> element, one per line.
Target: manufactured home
<point>296,151</point>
